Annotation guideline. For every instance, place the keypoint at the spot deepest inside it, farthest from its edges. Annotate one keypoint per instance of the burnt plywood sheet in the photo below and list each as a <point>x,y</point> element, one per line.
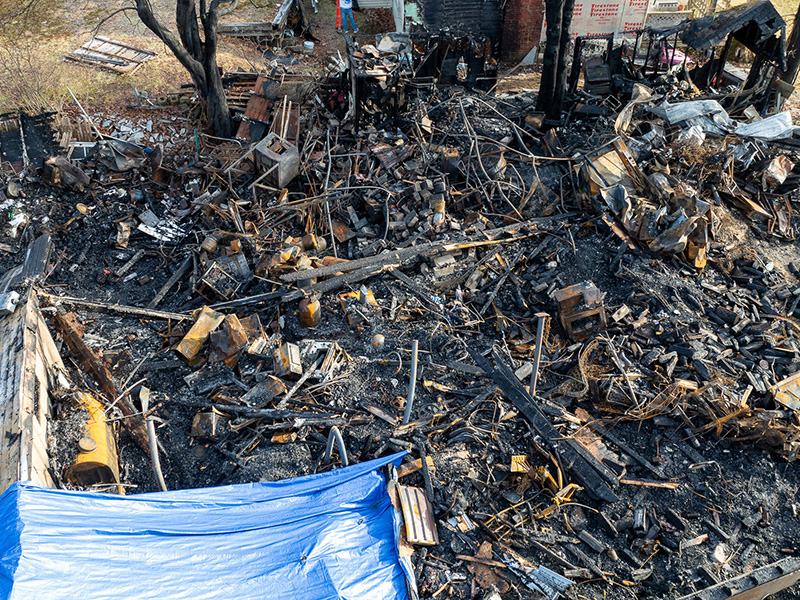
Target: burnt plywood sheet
<point>26,140</point>
<point>752,23</point>
<point>12,149</point>
<point>464,16</point>
<point>755,25</point>
<point>39,137</point>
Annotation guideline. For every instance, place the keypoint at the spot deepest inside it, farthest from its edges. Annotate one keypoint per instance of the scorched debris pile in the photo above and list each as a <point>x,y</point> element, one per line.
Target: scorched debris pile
<point>587,338</point>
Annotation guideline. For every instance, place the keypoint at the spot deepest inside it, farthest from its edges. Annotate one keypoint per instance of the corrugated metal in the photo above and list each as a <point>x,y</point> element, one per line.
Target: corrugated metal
<point>362,4</point>
<point>464,16</point>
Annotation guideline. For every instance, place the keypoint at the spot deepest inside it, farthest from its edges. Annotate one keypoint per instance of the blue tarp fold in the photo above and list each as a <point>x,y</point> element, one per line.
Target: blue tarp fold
<point>312,538</point>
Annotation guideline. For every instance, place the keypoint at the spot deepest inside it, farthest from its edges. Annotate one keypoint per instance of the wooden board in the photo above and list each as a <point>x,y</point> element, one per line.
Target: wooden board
<point>755,585</point>
<point>110,55</point>
<point>28,362</point>
<point>583,466</point>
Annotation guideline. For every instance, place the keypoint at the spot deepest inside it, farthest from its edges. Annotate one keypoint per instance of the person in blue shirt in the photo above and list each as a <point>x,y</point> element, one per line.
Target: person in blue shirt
<point>346,7</point>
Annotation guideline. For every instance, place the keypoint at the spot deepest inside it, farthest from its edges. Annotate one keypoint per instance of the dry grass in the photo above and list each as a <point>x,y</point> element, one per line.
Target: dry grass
<point>34,77</point>
<point>788,10</point>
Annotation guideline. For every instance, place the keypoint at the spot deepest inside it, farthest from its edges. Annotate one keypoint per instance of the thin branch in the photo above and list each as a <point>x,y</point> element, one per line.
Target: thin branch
<point>21,11</point>
<point>96,29</point>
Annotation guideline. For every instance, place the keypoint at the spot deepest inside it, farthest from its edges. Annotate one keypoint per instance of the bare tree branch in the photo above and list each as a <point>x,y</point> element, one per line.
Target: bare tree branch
<point>22,11</point>
<point>194,66</point>
<point>25,12</point>
<point>97,27</point>
<point>229,9</point>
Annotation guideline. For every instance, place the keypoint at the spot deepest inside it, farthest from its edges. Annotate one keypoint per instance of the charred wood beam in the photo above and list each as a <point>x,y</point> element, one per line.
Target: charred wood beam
<point>583,466</point>
<point>723,58</point>
<point>176,276</point>
<point>554,64</point>
<point>522,229</point>
<point>114,309</point>
<point>554,112</point>
<point>793,51</point>
<point>72,332</point>
<point>273,413</point>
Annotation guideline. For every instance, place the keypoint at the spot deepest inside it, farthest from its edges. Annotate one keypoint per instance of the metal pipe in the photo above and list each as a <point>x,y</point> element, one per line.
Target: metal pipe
<point>412,387</point>
<point>151,436</point>
<point>144,397</point>
<point>537,357</point>
<point>85,114</point>
<point>335,435</point>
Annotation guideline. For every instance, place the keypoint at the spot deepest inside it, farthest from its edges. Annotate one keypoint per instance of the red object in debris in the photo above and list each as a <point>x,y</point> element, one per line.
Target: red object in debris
<point>670,55</point>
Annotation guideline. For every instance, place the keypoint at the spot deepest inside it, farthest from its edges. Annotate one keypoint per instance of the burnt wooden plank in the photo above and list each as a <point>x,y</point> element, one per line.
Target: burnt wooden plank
<point>755,585</point>
<point>581,467</point>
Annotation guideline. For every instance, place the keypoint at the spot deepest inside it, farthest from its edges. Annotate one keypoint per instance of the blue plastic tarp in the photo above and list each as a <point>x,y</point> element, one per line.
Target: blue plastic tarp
<point>332,535</point>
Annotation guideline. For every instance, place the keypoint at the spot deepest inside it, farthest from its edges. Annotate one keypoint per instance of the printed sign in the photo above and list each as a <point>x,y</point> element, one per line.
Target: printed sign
<point>602,17</point>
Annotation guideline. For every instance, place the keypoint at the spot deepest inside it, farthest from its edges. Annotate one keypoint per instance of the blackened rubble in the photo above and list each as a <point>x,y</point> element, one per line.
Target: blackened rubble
<point>602,318</point>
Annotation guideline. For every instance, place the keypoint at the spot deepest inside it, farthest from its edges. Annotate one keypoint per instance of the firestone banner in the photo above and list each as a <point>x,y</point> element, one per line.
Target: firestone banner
<point>602,17</point>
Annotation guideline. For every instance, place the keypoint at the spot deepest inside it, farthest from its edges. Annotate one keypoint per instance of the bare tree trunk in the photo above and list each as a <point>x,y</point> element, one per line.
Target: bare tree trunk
<point>793,51</point>
<point>198,56</point>
<point>219,115</point>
